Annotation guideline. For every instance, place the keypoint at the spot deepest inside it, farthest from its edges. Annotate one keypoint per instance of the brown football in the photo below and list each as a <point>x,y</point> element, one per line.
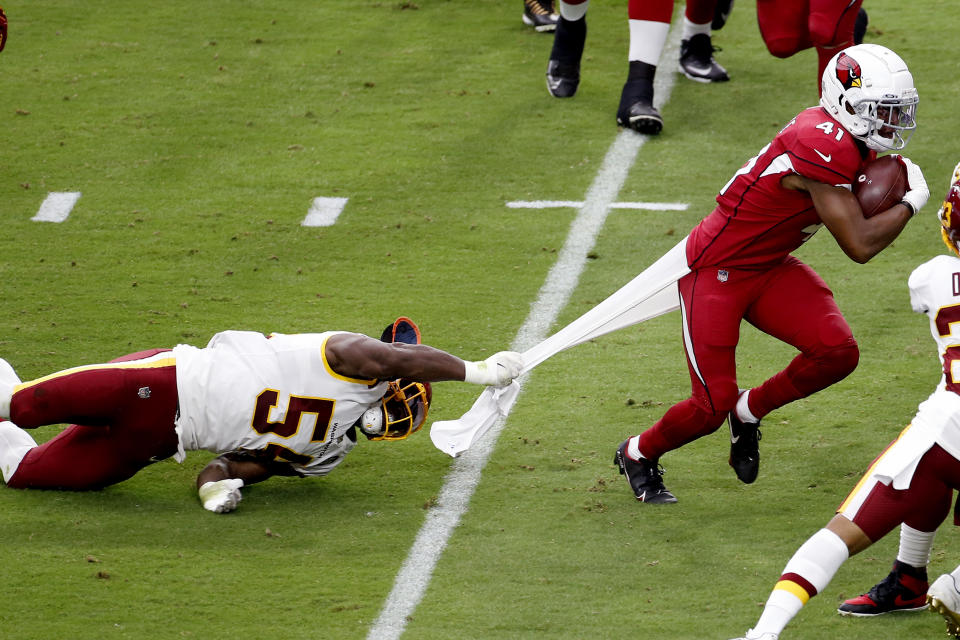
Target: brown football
<point>880,184</point>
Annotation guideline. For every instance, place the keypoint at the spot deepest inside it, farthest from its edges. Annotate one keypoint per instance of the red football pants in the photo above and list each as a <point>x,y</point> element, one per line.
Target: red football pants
<point>124,416</point>
<point>790,26</point>
<point>789,302</point>
<point>697,11</point>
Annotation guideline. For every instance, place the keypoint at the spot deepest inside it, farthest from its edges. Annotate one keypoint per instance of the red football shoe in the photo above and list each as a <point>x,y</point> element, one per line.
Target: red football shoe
<point>904,589</point>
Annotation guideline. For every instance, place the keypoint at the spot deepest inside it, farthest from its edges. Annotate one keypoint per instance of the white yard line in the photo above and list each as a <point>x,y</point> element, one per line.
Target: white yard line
<point>324,212</point>
<point>57,206</point>
<point>464,476</point>
<point>559,204</point>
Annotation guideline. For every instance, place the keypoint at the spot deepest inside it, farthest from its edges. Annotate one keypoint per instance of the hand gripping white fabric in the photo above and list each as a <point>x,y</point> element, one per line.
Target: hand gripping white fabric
<point>650,294</point>
<point>221,496</point>
<point>917,191</point>
<point>498,370</point>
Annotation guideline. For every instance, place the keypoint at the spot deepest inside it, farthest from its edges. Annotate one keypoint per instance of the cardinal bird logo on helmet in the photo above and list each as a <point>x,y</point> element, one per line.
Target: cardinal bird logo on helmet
<point>848,71</point>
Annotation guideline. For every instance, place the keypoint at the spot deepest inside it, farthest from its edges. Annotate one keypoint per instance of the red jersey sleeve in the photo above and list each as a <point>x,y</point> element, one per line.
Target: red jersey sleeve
<point>823,150</point>
<point>757,221</point>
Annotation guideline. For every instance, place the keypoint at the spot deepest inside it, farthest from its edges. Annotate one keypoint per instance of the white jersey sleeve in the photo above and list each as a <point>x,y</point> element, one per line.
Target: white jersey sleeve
<point>278,395</point>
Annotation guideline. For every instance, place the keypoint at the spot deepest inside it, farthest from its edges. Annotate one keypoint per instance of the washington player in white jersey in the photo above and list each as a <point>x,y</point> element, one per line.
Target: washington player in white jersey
<point>910,484</point>
<point>270,405</point>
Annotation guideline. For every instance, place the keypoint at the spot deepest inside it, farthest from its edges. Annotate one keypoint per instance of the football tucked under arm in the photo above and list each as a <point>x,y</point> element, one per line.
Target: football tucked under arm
<point>880,185</point>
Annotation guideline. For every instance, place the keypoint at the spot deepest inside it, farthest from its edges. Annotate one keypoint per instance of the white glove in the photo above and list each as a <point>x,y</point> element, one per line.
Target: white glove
<point>221,496</point>
<point>917,192</point>
<point>498,370</point>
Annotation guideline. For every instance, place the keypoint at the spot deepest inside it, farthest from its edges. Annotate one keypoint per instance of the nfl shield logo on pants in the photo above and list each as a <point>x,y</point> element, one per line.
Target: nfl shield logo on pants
<point>722,275</point>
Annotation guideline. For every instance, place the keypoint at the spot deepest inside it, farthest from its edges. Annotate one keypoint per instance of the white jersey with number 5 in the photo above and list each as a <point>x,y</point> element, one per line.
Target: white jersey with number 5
<point>246,391</point>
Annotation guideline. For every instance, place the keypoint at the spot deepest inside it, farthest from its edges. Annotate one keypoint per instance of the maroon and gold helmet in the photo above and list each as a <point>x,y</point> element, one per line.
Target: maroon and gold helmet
<point>403,408</point>
<point>950,214</point>
<point>402,411</point>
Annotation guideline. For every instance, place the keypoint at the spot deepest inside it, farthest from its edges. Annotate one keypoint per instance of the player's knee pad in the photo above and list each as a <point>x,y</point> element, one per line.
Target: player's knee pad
<point>716,401</point>
<point>825,36</point>
<point>838,351</point>
<point>783,47</point>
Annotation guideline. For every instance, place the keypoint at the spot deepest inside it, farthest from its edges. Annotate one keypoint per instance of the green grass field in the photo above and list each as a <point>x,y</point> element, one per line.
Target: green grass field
<point>199,133</point>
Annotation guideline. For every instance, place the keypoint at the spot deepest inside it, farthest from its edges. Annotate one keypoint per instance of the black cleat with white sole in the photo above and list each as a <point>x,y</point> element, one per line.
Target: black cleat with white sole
<point>540,15</point>
<point>645,477</point>
<point>642,117</point>
<point>563,69</point>
<point>696,60</point>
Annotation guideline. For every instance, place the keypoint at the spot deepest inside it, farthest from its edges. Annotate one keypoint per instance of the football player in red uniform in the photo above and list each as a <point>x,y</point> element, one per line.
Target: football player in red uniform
<point>741,267</point>
<point>649,22</point>
<point>910,484</point>
<point>790,26</point>
<point>277,405</point>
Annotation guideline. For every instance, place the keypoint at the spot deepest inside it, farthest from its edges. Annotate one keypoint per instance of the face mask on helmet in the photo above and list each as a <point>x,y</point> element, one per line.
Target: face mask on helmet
<point>402,411</point>
<point>870,91</point>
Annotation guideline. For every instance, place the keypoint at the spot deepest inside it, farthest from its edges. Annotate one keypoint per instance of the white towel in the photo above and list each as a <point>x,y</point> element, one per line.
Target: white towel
<point>650,294</point>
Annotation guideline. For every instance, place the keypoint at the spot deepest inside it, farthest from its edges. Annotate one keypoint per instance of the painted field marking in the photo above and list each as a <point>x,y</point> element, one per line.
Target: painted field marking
<point>557,204</point>
<point>464,476</point>
<point>324,212</point>
<point>57,206</point>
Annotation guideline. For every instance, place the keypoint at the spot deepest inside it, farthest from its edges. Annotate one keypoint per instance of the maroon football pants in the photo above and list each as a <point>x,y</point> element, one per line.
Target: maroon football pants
<point>123,414</point>
<point>789,302</point>
<point>924,505</point>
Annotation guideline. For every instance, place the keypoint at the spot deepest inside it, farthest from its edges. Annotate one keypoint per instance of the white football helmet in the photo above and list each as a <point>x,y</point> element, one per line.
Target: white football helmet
<point>870,91</point>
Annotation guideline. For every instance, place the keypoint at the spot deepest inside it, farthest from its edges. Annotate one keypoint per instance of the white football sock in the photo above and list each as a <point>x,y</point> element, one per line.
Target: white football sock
<point>743,409</point>
<point>572,12</point>
<point>816,561</point>
<point>14,444</point>
<point>915,546</point>
<point>8,380</point>
<point>646,40</point>
<point>633,448</point>
<point>691,29</point>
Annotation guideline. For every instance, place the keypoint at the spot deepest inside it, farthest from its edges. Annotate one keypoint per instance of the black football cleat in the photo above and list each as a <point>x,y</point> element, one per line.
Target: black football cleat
<point>645,477</point>
<point>540,15</point>
<point>744,448</point>
<point>642,117</point>
<point>563,69</point>
<point>562,79</point>
<point>696,60</point>
<point>904,589</point>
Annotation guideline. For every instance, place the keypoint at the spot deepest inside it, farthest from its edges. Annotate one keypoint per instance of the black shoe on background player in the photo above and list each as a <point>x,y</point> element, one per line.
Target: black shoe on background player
<point>540,15</point>
<point>563,69</point>
<point>696,60</point>
<point>636,110</point>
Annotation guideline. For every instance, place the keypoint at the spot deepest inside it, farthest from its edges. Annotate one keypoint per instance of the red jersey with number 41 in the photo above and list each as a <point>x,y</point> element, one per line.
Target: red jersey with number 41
<point>757,222</point>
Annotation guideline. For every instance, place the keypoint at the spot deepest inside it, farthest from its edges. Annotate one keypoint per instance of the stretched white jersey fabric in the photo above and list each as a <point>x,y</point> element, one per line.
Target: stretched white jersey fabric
<point>247,391</point>
<point>935,291</point>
